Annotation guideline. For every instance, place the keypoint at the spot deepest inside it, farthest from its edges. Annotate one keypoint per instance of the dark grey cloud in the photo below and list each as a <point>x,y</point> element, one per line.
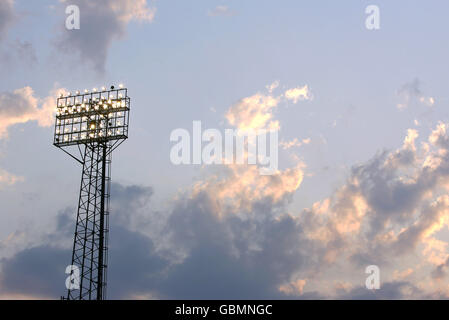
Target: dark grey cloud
<point>199,250</point>
<point>17,51</point>
<point>440,271</point>
<point>7,16</point>
<point>224,258</point>
<point>102,23</point>
<point>388,291</point>
<point>233,257</point>
<point>35,271</point>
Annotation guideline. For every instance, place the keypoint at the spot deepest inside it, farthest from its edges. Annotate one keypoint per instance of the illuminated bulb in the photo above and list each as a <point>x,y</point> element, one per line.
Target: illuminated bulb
<point>103,88</point>
<point>78,92</point>
<point>120,86</point>
<point>94,90</point>
<point>86,91</point>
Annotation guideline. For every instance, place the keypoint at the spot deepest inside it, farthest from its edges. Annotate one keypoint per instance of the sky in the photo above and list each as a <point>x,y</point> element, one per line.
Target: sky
<point>363,153</point>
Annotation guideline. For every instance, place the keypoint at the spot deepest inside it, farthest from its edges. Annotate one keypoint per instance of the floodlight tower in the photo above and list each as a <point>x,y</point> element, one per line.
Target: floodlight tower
<point>89,126</point>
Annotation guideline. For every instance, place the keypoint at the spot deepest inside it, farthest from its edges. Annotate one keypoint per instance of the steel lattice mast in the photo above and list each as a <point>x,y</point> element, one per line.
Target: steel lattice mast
<point>89,127</point>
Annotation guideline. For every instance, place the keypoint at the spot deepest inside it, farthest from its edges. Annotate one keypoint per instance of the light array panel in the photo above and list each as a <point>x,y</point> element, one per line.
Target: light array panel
<point>92,117</point>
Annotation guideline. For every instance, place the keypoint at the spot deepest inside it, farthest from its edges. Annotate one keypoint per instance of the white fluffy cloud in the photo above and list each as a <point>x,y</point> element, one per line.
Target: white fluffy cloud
<point>297,94</point>
<point>7,178</point>
<point>256,111</point>
<point>21,106</point>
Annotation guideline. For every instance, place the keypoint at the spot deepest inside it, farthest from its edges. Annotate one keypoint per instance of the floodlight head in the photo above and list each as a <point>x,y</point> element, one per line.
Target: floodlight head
<point>92,118</point>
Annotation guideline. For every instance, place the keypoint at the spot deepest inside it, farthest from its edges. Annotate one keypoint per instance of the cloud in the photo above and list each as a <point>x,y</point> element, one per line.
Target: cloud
<point>24,51</point>
<point>227,238</point>
<point>256,112</point>
<point>242,186</point>
<point>441,270</point>
<point>36,271</point>
<point>7,16</point>
<point>272,86</point>
<point>8,179</point>
<point>293,288</point>
<point>294,143</point>
<point>209,256</point>
<point>220,10</point>
<point>232,235</point>
<point>389,291</point>
<point>389,207</point>
<point>411,92</point>
<point>102,22</point>
<point>298,94</point>
<point>21,106</point>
